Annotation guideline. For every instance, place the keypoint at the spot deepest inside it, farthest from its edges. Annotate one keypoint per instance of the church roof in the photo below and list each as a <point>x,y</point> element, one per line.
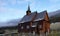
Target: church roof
<point>28,18</point>
<point>40,16</point>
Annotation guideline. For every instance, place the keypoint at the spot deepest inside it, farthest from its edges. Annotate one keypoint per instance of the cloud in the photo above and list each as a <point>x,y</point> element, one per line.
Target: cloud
<point>10,10</point>
<point>54,1</point>
<point>12,2</point>
<point>10,13</point>
<point>15,2</point>
<point>52,8</point>
<point>25,2</point>
<point>3,3</point>
<point>7,2</point>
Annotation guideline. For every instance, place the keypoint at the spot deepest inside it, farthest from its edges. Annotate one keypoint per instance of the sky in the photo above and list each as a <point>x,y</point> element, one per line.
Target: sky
<point>15,9</point>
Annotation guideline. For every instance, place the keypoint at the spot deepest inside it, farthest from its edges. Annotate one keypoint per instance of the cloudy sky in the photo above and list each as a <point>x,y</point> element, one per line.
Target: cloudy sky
<point>14,9</point>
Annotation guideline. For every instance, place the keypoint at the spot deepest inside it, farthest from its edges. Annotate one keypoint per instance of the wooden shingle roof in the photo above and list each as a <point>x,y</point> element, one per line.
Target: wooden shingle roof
<point>40,16</point>
<point>28,18</point>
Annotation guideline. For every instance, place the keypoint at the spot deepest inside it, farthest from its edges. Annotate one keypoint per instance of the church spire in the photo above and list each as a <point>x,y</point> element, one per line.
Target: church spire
<point>28,10</point>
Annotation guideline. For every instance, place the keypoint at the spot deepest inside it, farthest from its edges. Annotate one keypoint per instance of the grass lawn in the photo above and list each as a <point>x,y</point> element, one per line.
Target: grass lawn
<point>54,34</point>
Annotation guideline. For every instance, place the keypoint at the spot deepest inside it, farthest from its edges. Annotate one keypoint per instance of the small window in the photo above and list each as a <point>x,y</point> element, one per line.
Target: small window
<point>34,24</point>
<point>40,26</point>
<point>22,27</point>
<point>27,27</point>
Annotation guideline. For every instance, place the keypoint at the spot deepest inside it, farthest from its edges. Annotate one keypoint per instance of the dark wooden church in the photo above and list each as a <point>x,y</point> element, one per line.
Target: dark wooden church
<point>38,22</point>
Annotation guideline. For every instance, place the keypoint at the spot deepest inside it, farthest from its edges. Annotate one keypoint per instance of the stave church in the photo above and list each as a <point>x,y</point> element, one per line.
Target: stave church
<point>34,22</point>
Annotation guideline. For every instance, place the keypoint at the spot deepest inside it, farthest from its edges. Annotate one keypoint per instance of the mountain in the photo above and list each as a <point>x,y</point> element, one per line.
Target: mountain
<point>54,13</point>
<point>54,16</point>
<point>10,23</point>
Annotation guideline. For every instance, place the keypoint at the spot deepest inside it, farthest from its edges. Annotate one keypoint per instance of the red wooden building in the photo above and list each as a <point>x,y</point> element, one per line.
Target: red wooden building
<point>38,22</point>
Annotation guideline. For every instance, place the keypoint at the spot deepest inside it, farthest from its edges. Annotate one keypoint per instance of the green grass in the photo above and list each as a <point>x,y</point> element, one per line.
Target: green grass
<point>54,34</point>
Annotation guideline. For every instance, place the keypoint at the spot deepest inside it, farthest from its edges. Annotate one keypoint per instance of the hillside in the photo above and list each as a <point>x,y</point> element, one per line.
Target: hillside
<point>54,16</point>
<point>10,23</point>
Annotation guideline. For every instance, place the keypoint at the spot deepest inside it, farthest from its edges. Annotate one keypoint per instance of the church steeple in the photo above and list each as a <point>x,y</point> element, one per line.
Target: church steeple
<point>28,10</point>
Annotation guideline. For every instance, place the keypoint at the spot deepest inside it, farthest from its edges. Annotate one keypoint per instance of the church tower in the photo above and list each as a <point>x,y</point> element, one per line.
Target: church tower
<point>28,12</point>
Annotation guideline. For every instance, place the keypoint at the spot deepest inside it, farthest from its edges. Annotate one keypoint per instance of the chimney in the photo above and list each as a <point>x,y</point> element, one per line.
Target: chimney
<point>28,12</point>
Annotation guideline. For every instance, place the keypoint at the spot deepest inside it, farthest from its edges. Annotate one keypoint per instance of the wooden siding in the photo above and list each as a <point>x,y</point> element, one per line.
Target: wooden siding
<point>46,17</point>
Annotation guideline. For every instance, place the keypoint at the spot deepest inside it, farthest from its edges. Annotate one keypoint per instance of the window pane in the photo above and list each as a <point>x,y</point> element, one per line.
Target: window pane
<point>27,27</point>
<point>22,27</point>
<point>40,26</point>
<point>34,24</point>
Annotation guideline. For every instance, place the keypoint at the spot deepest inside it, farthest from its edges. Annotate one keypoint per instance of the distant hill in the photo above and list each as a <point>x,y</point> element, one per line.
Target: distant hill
<point>10,23</point>
<point>57,13</point>
<point>54,16</point>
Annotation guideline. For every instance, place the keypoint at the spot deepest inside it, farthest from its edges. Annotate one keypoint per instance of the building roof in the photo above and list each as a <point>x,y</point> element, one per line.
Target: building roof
<point>28,18</point>
<point>40,16</point>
